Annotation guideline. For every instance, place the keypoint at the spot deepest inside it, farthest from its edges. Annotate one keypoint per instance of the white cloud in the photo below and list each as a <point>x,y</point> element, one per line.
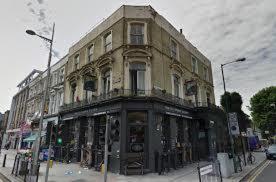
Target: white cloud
<point>222,29</point>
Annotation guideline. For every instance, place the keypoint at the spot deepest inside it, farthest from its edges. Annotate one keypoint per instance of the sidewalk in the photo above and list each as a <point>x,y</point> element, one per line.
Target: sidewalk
<point>75,173</point>
<point>260,158</point>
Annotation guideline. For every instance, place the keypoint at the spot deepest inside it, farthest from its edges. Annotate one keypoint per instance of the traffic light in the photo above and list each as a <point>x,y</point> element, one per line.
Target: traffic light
<point>115,129</point>
<point>53,133</point>
<point>60,134</point>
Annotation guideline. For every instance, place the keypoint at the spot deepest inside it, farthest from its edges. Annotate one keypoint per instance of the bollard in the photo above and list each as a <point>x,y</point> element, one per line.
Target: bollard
<point>37,172</point>
<point>51,163</point>
<point>199,175</point>
<point>4,161</point>
<point>13,168</point>
<point>102,168</point>
<point>17,164</point>
<point>26,171</point>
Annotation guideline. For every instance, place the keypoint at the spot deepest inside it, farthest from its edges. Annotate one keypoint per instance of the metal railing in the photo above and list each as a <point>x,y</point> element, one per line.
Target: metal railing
<point>207,104</point>
<point>155,93</point>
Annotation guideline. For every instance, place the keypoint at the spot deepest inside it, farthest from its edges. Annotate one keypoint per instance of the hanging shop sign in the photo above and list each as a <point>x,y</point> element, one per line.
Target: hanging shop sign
<point>191,88</point>
<point>89,85</point>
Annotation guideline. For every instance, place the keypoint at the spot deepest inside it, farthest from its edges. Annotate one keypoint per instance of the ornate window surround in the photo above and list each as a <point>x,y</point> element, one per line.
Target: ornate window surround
<point>137,55</point>
<point>145,31</point>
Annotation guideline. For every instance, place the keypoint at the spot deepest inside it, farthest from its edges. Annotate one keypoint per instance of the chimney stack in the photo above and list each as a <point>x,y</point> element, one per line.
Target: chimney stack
<point>180,30</point>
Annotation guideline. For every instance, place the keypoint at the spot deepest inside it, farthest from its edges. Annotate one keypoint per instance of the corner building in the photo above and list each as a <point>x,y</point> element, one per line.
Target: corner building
<point>139,64</point>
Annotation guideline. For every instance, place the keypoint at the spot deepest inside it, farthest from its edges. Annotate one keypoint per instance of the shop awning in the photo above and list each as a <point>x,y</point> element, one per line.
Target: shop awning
<point>30,138</point>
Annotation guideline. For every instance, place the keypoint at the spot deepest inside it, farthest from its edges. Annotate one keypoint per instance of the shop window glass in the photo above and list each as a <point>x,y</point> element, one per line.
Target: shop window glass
<point>137,130</point>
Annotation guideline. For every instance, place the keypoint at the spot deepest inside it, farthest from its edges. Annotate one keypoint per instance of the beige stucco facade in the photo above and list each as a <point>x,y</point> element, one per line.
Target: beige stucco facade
<point>155,53</point>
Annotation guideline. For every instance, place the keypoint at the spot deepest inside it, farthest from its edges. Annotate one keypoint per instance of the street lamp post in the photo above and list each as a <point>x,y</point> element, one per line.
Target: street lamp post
<point>36,155</point>
<point>227,109</point>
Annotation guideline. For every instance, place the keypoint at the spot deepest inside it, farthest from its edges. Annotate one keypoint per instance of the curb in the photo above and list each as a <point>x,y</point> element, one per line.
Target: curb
<point>4,178</point>
<point>252,170</point>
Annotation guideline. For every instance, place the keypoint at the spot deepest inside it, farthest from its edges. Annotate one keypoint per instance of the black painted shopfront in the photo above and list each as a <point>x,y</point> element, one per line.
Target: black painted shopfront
<point>158,134</point>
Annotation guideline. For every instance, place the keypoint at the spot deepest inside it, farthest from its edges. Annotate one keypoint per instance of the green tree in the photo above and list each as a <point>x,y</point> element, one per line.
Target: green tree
<point>263,109</point>
<point>233,102</point>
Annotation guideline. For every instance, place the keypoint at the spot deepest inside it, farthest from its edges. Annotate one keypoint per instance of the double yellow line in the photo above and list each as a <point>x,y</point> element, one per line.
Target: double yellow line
<point>258,171</point>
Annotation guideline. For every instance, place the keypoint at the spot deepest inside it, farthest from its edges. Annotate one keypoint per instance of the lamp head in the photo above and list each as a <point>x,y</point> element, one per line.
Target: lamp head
<point>30,32</point>
<point>240,59</point>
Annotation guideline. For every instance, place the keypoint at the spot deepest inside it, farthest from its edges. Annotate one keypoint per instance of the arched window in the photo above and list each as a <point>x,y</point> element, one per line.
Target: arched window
<point>176,85</point>
<point>89,86</point>
<point>208,98</point>
<point>108,42</point>
<point>90,52</point>
<point>73,92</point>
<point>137,77</point>
<point>76,62</point>
<point>106,82</point>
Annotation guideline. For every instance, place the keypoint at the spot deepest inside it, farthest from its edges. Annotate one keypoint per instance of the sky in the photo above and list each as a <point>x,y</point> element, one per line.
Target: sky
<point>223,30</point>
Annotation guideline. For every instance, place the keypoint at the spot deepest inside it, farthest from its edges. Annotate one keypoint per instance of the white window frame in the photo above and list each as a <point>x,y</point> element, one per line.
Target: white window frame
<point>145,25</point>
<point>73,99</point>
<point>206,73</point>
<point>90,56</point>
<point>54,78</point>
<point>196,64</point>
<point>208,93</point>
<point>76,62</point>
<point>175,76</point>
<point>61,75</point>
<point>176,49</point>
<point>106,90</point>
<point>138,72</point>
<point>104,42</point>
<point>137,35</point>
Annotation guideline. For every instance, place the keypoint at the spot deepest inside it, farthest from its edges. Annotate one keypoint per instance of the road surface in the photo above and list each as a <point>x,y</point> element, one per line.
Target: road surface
<point>265,173</point>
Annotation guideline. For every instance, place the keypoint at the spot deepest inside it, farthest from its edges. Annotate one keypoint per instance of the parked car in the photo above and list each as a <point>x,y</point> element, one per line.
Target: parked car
<point>271,152</point>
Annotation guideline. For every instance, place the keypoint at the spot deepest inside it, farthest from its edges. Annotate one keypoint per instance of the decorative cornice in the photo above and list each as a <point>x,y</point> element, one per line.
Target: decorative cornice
<point>87,69</point>
<point>137,52</point>
<point>177,66</point>
<point>103,61</point>
<point>73,76</point>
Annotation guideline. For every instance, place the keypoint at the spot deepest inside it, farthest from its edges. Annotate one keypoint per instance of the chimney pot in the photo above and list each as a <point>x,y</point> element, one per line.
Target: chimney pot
<point>180,30</point>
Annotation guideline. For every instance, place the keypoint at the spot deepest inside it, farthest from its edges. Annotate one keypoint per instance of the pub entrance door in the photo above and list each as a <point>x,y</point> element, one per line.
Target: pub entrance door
<point>137,134</point>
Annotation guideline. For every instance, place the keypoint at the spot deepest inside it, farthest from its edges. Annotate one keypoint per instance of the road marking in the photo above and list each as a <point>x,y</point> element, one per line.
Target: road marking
<point>258,172</point>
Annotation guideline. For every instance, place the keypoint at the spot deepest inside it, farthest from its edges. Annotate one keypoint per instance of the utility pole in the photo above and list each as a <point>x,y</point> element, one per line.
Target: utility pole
<point>36,156</point>
<point>228,124</point>
<point>49,154</point>
<point>227,110</point>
